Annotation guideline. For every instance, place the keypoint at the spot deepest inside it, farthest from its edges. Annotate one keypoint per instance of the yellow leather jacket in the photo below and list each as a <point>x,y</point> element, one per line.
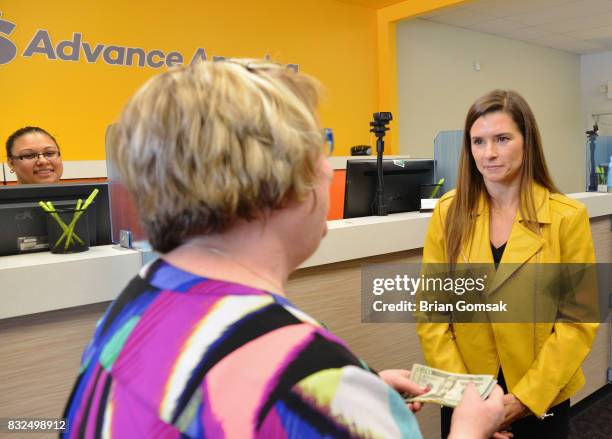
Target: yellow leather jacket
<point>541,361</point>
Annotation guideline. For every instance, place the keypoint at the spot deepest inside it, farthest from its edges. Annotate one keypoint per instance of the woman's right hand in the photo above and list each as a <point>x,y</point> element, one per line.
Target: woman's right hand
<point>477,418</point>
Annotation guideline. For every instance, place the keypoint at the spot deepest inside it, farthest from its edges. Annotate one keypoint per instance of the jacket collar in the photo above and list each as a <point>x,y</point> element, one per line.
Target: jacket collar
<point>522,244</point>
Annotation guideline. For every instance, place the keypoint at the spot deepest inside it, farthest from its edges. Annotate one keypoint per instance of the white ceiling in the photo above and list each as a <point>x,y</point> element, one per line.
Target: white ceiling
<point>577,26</point>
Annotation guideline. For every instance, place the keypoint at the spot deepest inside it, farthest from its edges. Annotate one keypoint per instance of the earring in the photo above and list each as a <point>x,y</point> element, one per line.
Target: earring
<point>12,171</point>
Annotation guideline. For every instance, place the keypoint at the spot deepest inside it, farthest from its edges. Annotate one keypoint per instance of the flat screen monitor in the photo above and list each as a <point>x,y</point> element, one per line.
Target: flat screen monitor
<point>23,224</point>
<point>402,183</point>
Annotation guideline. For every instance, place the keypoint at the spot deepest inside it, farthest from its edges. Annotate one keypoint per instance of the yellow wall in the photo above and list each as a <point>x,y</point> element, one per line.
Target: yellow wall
<point>334,41</point>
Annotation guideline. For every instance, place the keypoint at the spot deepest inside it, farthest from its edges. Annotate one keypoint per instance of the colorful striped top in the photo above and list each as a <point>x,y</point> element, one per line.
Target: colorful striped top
<point>181,356</point>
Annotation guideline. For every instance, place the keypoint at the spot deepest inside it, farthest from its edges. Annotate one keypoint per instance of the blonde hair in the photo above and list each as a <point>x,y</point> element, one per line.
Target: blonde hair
<point>202,146</point>
<point>470,184</point>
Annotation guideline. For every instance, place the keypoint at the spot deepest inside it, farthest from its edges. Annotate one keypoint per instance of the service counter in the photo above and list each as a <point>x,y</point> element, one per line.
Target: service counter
<point>50,304</point>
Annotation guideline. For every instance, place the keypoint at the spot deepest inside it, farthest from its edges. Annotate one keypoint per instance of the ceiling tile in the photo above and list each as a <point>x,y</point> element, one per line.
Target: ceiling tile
<point>580,23</point>
<point>536,17</point>
<point>526,33</point>
<point>561,42</point>
<point>564,11</point>
<point>461,18</point>
<point>499,8</point>
<point>584,47</point>
<point>604,41</point>
<point>507,8</point>
<point>592,33</point>
<point>497,25</point>
<point>442,11</point>
<point>578,26</point>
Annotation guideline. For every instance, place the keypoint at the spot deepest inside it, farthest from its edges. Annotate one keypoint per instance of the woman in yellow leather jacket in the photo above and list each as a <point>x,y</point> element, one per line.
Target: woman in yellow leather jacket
<point>507,209</point>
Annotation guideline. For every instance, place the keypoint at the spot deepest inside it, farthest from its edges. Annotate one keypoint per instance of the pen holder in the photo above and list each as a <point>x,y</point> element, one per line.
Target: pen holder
<point>68,231</point>
<point>602,181</point>
<point>430,193</point>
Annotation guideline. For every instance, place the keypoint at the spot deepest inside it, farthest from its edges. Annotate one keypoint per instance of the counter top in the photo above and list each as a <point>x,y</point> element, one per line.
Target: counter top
<point>597,203</point>
<point>374,235</point>
<point>38,282</point>
<point>47,258</point>
<point>44,281</point>
<point>368,236</point>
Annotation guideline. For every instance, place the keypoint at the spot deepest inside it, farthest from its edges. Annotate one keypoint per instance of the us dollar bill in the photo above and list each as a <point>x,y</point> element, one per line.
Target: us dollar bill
<point>447,388</point>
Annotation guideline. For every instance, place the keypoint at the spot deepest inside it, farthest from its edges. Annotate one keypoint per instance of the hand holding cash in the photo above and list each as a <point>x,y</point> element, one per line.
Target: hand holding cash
<point>447,388</point>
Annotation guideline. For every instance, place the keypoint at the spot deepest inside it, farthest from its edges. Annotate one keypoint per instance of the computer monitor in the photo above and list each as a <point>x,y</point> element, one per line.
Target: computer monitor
<point>402,183</point>
<point>24,224</point>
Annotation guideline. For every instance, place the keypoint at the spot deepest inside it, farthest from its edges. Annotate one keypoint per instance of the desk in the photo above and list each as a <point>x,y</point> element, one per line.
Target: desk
<point>40,353</point>
<point>38,282</point>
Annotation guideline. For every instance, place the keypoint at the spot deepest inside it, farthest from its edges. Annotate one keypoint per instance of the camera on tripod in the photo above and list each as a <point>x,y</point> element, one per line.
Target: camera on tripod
<point>380,122</point>
<point>383,117</point>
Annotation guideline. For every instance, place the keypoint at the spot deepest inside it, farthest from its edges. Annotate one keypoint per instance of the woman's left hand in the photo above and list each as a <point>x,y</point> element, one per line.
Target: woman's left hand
<point>399,379</point>
<point>513,410</point>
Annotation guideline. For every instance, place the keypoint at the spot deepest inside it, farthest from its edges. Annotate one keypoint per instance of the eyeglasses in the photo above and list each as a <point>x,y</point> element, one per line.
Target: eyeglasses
<point>49,155</point>
<point>253,65</point>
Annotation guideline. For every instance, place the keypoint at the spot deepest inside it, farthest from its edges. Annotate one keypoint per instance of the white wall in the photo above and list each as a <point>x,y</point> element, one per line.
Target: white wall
<point>72,169</point>
<point>595,71</point>
<point>437,83</point>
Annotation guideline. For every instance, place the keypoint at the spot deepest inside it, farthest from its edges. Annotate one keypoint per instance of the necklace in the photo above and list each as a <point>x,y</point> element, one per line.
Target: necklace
<point>216,251</point>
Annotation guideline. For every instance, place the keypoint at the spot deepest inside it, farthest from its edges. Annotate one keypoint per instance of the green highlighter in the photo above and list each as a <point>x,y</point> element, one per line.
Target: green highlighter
<point>437,188</point>
<point>601,175</point>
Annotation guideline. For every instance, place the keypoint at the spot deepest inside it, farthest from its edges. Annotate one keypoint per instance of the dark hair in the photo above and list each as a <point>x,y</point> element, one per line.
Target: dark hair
<point>22,132</point>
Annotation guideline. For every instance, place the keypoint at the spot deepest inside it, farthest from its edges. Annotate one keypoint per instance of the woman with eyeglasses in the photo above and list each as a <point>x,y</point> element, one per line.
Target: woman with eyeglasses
<point>225,161</point>
<point>34,156</point>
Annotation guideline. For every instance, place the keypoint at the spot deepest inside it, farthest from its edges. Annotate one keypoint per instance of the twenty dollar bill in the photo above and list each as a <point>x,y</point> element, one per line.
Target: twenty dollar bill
<point>447,388</point>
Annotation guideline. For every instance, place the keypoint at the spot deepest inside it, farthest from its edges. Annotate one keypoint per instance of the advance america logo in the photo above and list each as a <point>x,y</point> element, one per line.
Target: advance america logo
<point>77,48</point>
<point>8,51</point>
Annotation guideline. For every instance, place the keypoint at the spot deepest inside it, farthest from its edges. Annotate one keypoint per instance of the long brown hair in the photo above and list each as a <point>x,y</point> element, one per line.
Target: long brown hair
<point>470,185</point>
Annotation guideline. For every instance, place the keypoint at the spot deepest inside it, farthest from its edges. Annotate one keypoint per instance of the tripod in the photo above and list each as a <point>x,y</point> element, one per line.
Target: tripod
<point>592,138</point>
<point>379,128</point>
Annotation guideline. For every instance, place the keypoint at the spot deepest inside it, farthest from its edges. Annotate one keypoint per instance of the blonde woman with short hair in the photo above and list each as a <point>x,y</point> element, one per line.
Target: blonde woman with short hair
<point>225,162</point>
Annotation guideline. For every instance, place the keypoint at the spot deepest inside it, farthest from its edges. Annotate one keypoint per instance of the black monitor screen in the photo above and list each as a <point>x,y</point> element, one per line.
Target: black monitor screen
<point>23,223</point>
<point>402,183</point>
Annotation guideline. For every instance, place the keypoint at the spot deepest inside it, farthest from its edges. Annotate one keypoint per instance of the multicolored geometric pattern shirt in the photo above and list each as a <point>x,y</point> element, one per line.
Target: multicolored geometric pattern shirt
<point>181,356</point>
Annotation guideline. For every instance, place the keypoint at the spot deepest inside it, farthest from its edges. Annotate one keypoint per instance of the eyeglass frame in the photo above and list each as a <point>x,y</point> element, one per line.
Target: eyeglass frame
<point>24,157</point>
<point>253,65</point>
